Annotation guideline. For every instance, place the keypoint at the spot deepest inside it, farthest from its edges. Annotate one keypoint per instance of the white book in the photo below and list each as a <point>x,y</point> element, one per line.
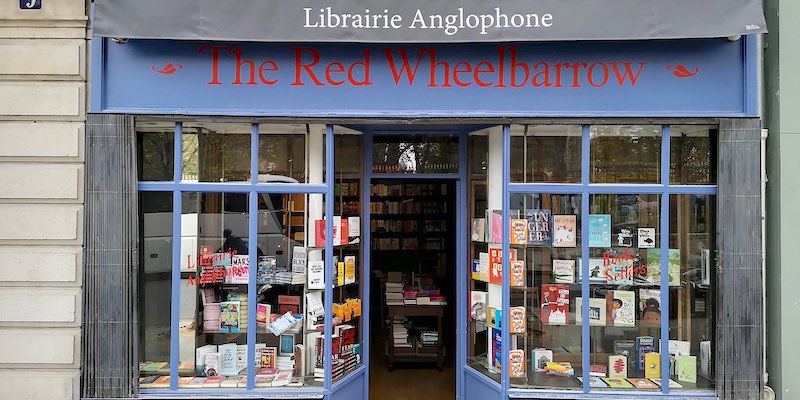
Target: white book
<point>316,275</point>
<point>241,358</point>
<point>227,359</point>
<point>200,356</point>
<point>299,260</point>
<point>353,226</point>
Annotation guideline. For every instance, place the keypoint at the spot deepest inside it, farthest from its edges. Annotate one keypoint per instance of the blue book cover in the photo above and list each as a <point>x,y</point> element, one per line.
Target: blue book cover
<point>600,230</point>
<point>644,345</point>
<point>497,347</point>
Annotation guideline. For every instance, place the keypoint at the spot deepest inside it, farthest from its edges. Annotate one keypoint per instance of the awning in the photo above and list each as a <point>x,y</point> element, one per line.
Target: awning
<point>425,21</point>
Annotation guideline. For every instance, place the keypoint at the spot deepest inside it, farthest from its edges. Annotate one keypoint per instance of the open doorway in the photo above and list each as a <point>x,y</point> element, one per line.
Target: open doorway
<point>413,293</point>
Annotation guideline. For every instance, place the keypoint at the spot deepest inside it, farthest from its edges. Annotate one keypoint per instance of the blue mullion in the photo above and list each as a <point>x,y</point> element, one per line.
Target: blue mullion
<point>462,240</point>
<point>585,331</point>
<point>254,137</point>
<point>664,243</point>
<point>175,287</point>
<point>366,235</point>
<point>252,249</point>
<point>328,328</point>
<point>506,295</point>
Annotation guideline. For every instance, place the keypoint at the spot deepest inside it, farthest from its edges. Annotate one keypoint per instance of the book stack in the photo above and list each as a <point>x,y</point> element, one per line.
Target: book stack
<point>400,332</point>
<point>350,363</point>
<point>429,338</point>
<point>394,294</point>
<point>337,370</point>
<point>242,299</point>
<point>284,363</point>
<point>410,297</point>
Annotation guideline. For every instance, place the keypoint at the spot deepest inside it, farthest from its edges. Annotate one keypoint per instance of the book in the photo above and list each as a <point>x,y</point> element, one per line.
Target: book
<point>491,317</point>
<point>597,270</point>
<point>299,360</point>
<point>200,356</point>
<point>646,238</point>
<point>564,271</point>
<point>642,383</point>
<point>263,381</point>
<point>195,382</point>
<point>268,357</point>
<point>495,264</point>
<point>539,227</point>
<point>563,369</point>
<point>540,358</point>
<point>353,227</point>
<point>349,269</point>
<point>555,304</point>
<point>519,231</point>
<point>263,312</point>
<point>316,275</point>
<point>652,365</point>
<point>517,278</point>
<point>229,316</point>
<point>672,384</point>
<point>564,230</point>
<point>287,344</point>
<point>497,348</point>
<point>478,305</point>
<point>238,271</point>
<point>594,382</point>
<point>598,370</point>
<point>478,233</point>
<point>212,364</point>
<point>618,267</point>
<point>290,304</point>
<point>650,307</point>
<point>339,278</point>
<point>231,381</point>
<point>624,237</point>
<point>267,268</point>
<point>705,358</point>
<point>517,319</point>
<point>494,222</point>
<point>597,311</point>
<point>483,267</point>
<point>599,230</point>
<point>241,358</point>
<point>147,382</point>
<point>161,382</point>
<point>674,267</point>
<point>618,366</point>
<point>627,348</point>
<point>617,383</point>
<point>227,359</point>
<point>644,345</point>
<point>516,363</point>
<point>299,260</point>
<point>623,308</point>
<point>687,369</point>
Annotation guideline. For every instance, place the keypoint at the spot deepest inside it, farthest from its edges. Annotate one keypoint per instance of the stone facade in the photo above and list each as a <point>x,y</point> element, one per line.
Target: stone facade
<point>43,102</point>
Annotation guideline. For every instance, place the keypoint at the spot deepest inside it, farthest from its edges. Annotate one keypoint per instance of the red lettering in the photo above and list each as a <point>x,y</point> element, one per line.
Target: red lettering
<point>214,61</point>
<point>478,70</point>
<point>330,70</point>
<point>501,73</point>
<point>365,64</point>
<point>434,64</point>
<point>543,76</point>
<point>515,65</point>
<point>267,66</point>
<point>406,66</point>
<point>457,70</point>
<point>237,52</point>
<point>628,73</point>
<point>299,66</point>
<point>558,67</point>
<point>576,79</point>
<point>591,75</point>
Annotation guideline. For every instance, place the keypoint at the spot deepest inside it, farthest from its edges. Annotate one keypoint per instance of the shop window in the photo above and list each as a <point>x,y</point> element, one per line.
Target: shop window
<point>625,154</point>
<point>216,152</point>
<point>693,156</point>
<point>155,150</point>
<point>546,153</point>
<point>415,154</point>
<point>283,150</point>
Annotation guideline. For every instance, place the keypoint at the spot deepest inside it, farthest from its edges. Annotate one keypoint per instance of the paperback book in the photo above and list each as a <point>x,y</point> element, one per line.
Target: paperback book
<point>687,369</point>
<point>564,230</point>
<point>599,230</point>
<point>516,363</point>
<point>539,227</point>
<point>650,307</point>
<point>517,319</point>
<point>555,304</point>
<point>519,231</point>
<point>540,358</point>
<point>517,273</point>
<point>623,308</point>
<point>229,316</point>
<point>597,311</point>
<point>564,271</point>
<point>618,366</point>
<point>644,345</point>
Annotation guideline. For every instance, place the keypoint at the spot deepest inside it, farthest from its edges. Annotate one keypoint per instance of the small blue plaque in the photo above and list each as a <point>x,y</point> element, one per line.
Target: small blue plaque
<point>30,4</point>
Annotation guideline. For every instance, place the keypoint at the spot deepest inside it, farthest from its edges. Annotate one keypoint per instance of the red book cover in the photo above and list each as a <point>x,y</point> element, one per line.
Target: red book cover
<point>336,345</point>
<point>496,265</point>
<point>289,304</point>
<point>343,238</point>
<point>555,304</point>
<point>319,233</point>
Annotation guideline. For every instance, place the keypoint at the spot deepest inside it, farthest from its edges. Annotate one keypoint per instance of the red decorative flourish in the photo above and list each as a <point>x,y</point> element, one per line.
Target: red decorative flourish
<point>168,69</point>
<point>681,71</point>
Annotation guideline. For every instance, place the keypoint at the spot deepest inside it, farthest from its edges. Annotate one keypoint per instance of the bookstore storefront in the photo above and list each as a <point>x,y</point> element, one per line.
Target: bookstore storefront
<point>596,203</point>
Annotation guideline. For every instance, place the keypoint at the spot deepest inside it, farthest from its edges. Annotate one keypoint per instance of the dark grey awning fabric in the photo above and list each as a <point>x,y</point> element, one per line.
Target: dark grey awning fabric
<point>426,21</point>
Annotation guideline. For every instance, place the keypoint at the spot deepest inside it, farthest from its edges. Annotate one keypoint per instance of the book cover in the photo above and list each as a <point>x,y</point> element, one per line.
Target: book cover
<point>555,304</point>
<point>540,359</point>
<point>652,365</point>
<point>299,260</point>
<point>337,230</point>
<point>476,270</point>
<point>516,363</point>
<point>213,381</point>
<point>495,265</point>
<point>646,238</point>
<point>642,383</point>
<point>517,319</point>
<point>687,369</point>
<point>238,272</point>
<point>623,308</point>
<point>644,345</point>
<point>267,268</point>
<point>349,269</point>
<point>598,370</point>
<point>617,383</point>
<point>674,267</point>
<point>597,271</point>
<point>594,382</point>
<point>491,317</point>
<point>339,278</point>
<point>287,344</point>
<point>624,237</point>
<point>494,226</point>
<point>564,230</point>
<point>268,357</point>
<point>517,278</point>
<point>343,231</point>
<point>483,267</point>
<point>539,227</point>
<point>290,304</point>
<point>672,384</point>
<point>650,307</point>
<point>478,230</point>
<point>618,366</point>
<point>599,230</point>
<point>319,233</point>
<point>316,275</point>
<point>299,360</point>
<point>627,348</point>
<point>212,366</point>
<point>263,312</point>
<point>231,382</point>
<point>241,358</point>
<point>200,356</point>
<point>597,311</point>
<point>353,227</point>
<point>519,231</point>
<point>229,316</point>
<point>478,305</point>
<point>227,359</point>
<point>196,382</point>
<point>497,348</point>
<point>618,267</point>
<point>564,271</point>
<point>653,267</point>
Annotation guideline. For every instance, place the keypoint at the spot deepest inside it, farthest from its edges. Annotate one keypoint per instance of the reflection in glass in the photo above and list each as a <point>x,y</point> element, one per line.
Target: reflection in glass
<point>155,141</point>
<point>216,152</point>
<point>546,153</point>
<point>282,150</point>
<point>155,287</point>
<point>415,153</point>
<point>691,312</point>
<point>693,158</point>
<point>624,277</point>
<point>625,154</point>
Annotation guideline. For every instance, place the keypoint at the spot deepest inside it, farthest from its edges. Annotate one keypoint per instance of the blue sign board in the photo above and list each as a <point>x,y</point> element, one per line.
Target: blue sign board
<point>687,78</point>
<point>30,4</point>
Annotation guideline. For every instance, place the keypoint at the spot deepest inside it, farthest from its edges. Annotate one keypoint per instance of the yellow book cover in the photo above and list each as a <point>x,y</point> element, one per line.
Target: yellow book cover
<point>340,274</point>
<point>652,365</point>
<point>356,307</point>
<point>349,269</point>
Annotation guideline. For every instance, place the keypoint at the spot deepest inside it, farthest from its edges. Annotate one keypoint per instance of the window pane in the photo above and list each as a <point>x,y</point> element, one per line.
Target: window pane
<point>415,153</point>
<point>216,152</point>
<point>546,153</point>
<point>282,152</point>
<point>155,144</point>
<point>155,287</point>
<point>625,154</point>
<point>691,299</point>
<point>545,250</point>
<point>625,295</point>
<point>693,158</point>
